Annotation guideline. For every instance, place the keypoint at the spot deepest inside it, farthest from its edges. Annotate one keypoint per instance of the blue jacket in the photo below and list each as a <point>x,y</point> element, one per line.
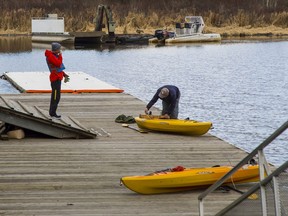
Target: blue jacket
<point>171,99</point>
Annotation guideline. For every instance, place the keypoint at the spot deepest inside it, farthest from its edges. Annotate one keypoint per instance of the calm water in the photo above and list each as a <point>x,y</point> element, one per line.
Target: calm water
<point>242,87</point>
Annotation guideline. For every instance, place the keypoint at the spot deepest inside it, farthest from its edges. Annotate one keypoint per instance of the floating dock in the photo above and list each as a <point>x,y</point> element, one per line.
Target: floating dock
<point>46,176</point>
<point>91,38</point>
<point>38,82</point>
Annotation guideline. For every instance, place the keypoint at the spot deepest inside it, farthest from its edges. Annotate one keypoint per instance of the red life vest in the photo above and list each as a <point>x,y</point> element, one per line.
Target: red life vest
<point>55,65</point>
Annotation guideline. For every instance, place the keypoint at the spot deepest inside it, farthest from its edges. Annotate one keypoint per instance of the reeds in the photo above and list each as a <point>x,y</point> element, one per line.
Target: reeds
<point>132,15</point>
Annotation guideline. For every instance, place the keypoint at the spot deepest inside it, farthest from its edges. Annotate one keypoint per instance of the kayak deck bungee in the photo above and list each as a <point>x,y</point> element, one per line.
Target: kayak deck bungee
<point>168,181</point>
<point>180,126</point>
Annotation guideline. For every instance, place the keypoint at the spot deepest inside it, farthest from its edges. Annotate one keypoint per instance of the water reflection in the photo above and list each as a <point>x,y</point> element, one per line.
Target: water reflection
<point>13,44</point>
<point>48,46</point>
<point>98,47</point>
<point>17,44</point>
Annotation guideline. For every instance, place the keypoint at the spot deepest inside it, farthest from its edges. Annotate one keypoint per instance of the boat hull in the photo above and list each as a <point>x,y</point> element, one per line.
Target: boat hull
<point>188,179</point>
<point>194,38</point>
<point>189,127</point>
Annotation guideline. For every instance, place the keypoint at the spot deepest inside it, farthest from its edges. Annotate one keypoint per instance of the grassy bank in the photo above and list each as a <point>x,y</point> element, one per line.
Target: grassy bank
<point>227,17</point>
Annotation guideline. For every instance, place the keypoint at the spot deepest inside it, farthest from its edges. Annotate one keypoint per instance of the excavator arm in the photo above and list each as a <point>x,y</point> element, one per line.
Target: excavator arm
<point>99,19</point>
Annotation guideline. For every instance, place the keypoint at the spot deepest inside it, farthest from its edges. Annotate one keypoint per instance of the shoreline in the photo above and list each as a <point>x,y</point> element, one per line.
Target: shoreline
<point>224,36</point>
<point>225,32</point>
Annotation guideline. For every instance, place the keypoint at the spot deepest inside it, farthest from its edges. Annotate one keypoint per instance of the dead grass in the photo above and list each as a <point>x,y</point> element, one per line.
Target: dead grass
<point>133,23</point>
<point>236,25</point>
<point>247,30</point>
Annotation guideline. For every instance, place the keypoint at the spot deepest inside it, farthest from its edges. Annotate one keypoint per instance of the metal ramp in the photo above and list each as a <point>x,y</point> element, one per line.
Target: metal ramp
<point>35,119</point>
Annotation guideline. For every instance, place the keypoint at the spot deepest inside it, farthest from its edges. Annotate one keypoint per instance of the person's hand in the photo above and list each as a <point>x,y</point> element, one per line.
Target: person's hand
<point>166,116</point>
<point>66,78</point>
<point>146,111</point>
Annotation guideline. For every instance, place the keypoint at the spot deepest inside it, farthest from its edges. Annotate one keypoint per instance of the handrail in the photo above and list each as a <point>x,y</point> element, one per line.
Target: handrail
<point>239,165</point>
<point>254,188</point>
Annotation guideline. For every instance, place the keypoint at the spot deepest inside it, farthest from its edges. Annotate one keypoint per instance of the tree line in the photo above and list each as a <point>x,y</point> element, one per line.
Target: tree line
<point>79,15</point>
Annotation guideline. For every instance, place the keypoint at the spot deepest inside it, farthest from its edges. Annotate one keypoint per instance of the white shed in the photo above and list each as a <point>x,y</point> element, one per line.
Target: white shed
<point>52,24</point>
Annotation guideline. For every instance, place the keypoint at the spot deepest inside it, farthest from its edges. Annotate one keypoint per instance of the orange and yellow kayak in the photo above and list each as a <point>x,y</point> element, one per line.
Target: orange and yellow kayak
<point>168,181</point>
<point>180,126</point>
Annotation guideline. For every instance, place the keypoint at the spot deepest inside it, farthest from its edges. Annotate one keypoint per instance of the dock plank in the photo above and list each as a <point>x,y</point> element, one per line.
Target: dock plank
<point>46,176</point>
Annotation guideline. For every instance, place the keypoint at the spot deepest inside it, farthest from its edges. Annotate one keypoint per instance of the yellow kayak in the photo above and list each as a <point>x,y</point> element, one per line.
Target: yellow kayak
<point>176,180</point>
<point>189,127</point>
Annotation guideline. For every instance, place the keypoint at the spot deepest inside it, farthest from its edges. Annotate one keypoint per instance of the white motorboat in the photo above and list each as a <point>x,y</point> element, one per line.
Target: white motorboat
<point>189,32</point>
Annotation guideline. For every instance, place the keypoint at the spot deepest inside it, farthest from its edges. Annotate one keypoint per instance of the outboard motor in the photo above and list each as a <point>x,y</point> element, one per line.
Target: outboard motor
<point>159,34</point>
<point>163,34</point>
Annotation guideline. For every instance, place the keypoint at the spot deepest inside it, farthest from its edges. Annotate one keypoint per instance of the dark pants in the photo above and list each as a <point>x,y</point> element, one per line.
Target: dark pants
<point>55,97</point>
<point>166,106</point>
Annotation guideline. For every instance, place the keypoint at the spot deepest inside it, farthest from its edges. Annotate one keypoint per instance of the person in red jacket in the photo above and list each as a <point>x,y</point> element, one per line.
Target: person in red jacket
<point>55,64</point>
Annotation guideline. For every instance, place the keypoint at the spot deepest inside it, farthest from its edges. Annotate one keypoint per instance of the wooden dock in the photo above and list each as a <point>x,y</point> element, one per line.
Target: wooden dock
<point>47,176</point>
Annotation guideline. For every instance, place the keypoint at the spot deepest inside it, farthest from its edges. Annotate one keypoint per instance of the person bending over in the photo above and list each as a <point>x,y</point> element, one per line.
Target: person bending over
<point>170,95</point>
